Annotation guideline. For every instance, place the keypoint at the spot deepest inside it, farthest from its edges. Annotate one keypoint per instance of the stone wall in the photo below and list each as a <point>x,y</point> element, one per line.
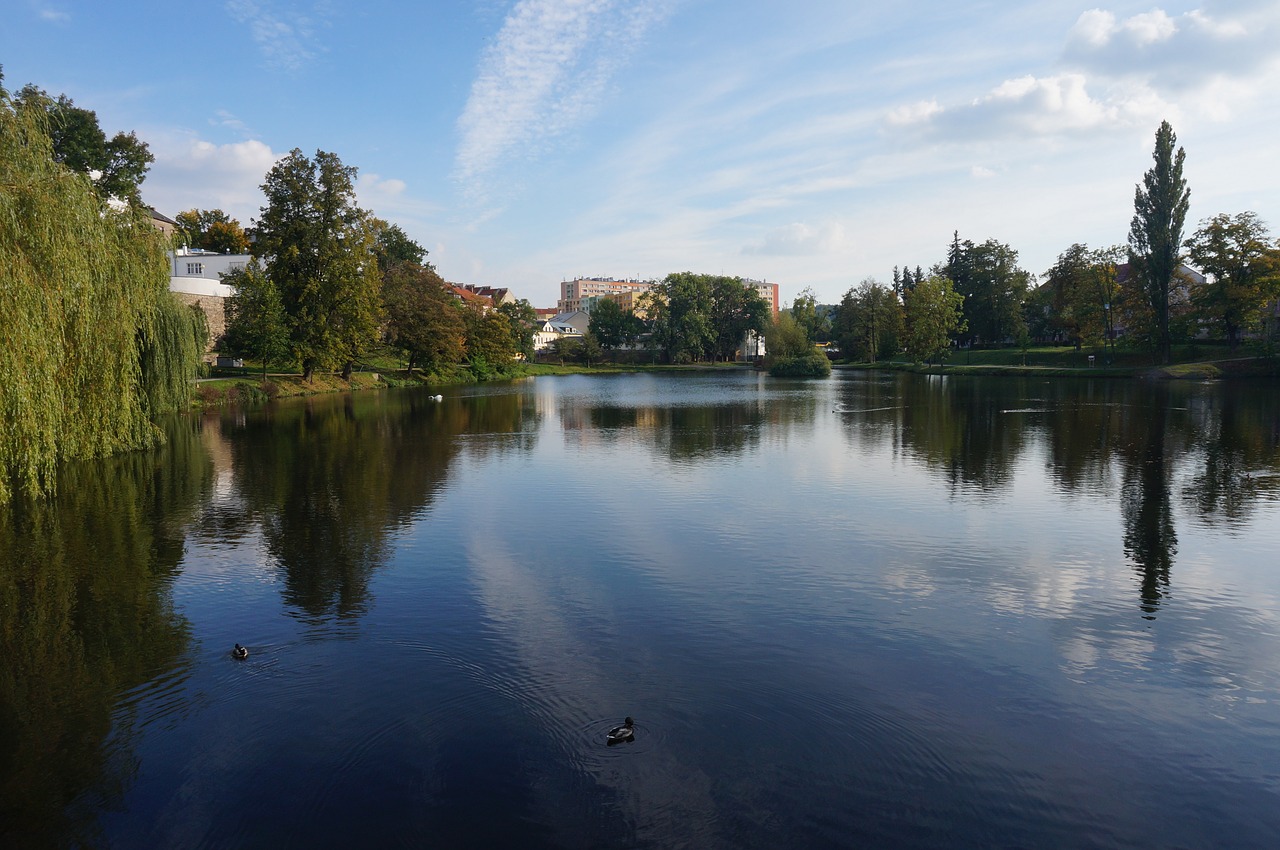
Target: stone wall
<point>215,312</point>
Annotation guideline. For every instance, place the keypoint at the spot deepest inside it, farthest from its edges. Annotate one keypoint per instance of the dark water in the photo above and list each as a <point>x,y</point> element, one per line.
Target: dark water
<point>873,611</point>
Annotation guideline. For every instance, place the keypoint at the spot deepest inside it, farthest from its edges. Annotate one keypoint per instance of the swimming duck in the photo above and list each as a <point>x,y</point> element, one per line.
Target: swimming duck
<point>240,652</point>
<point>625,732</point>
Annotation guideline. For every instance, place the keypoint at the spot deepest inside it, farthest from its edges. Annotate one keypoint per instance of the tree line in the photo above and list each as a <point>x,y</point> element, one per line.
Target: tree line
<point>981,296</point>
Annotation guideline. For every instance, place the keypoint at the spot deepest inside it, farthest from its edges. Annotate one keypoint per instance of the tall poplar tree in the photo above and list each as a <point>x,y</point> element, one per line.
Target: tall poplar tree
<point>318,248</point>
<point>1160,205</point>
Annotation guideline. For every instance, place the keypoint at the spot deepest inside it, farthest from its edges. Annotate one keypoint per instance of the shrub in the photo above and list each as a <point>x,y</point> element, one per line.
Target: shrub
<point>814,365</point>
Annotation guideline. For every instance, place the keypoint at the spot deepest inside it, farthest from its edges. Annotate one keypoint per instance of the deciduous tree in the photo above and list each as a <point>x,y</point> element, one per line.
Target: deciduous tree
<point>1243,269</point>
<point>933,314</point>
<point>424,322</point>
<point>256,323</point>
<point>318,246</point>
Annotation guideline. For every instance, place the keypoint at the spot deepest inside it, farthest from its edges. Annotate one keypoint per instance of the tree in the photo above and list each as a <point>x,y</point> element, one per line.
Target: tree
<point>94,342</point>
<point>608,324</point>
<point>424,322</point>
<point>524,324</point>
<point>211,230</point>
<point>588,349</point>
<point>256,323</point>
<point>319,251</point>
<point>1155,235</point>
<point>117,165</point>
<point>736,310</point>
<point>393,246</point>
<point>868,320</point>
<point>1243,269</point>
<point>933,313</point>
<point>490,349</point>
<point>811,315</point>
<point>680,312</point>
<point>790,351</point>
<point>993,287</point>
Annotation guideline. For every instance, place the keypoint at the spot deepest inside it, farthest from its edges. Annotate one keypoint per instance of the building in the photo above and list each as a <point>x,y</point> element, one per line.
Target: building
<point>195,278</point>
<point>573,293</point>
<point>497,295</point>
<point>767,291</point>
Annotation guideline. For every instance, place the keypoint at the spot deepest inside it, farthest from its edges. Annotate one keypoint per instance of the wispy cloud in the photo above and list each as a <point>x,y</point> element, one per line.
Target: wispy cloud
<point>287,40</point>
<point>52,15</point>
<point>544,74</point>
<point>799,239</point>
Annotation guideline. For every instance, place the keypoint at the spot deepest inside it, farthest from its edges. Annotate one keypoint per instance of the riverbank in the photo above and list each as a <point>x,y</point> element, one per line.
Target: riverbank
<point>1190,364</point>
<point>248,386</point>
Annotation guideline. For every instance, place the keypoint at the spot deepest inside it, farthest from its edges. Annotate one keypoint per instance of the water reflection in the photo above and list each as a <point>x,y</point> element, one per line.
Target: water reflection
<point>87,618</point>
<point>329,479</point>
<point>1131,441</point>
<point>1150,539</point>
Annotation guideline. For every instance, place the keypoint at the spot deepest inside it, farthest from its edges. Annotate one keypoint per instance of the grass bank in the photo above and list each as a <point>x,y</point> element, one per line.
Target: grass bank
<point>1191,362</point>
<point>247,386</point>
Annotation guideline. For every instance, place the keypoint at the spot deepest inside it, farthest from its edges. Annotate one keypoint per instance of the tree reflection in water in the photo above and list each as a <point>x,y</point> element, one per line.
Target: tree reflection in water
<point>85,591</point>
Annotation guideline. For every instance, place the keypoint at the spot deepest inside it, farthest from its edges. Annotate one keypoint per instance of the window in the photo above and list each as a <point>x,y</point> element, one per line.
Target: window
<point>195,268</point>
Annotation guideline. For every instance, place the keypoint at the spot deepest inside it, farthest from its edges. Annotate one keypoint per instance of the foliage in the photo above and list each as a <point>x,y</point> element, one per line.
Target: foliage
<point>736,310</point>
<point>256,323</point>
<point>211,230</point>
<point>588,350</point>
<point>524,324</point>
<point>393,246</point>
<point>933,313</point>
<point>85,299</point>
<point>78,142</point>
<point>614,327</point>
<point>993,287</point>
<point>490,350</point>
<point>170,347</point>
<point>868,321</point>
<point>815,364</point>
<point>1243,269</point>
<point>319,251</point>
<point>423,320</point>
<point>679,309</point>
<point>694,316</point>
<point>1155,234</point>
<point>790,351</point>
<point>811,315</point>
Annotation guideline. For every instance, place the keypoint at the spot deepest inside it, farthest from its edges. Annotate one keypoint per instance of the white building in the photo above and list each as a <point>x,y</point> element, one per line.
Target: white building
<point>193,271</point>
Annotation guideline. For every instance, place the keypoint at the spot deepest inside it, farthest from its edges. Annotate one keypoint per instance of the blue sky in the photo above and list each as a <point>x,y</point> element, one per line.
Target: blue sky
<point>812,143</point>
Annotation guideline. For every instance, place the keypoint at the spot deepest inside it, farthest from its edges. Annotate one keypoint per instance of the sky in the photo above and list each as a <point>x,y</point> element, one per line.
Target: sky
<point>812,143</point>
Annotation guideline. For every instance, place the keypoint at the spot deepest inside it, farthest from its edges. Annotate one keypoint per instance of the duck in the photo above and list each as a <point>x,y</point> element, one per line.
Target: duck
<point>437,398</point>
<point>240,652</point>
<point>625,732</point>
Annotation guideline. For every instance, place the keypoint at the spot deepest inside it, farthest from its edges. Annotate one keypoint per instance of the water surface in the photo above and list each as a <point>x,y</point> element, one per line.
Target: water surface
<point>876,610</point>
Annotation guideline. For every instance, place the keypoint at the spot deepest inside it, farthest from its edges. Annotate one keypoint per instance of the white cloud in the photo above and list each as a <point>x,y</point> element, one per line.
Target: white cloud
<point>545,73</point>
<point>913,113</point>
<point>799,239</point>
<point>191,172</point>
<point>980,172</point>
<point>1150,27</point>
<point>1182,52</point>
<point>1042,106</point>
<point>286,40</point>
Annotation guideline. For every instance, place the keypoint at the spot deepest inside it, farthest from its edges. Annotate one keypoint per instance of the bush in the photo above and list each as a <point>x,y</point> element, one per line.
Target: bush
<point>814,365</point>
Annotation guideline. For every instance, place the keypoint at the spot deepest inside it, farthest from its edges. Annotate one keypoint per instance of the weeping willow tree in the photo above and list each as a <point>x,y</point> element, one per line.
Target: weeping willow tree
<point>93,342</point>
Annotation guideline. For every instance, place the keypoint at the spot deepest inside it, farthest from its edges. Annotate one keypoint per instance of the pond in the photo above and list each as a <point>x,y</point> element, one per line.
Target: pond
<point>875,610</point>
